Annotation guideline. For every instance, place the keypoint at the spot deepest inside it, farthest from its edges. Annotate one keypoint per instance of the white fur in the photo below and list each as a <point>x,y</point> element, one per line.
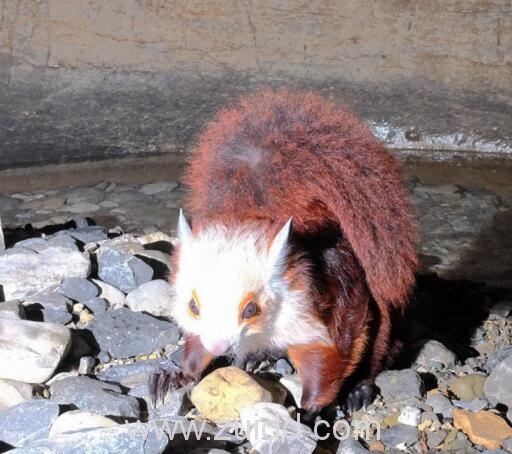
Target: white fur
<point>222,267</point>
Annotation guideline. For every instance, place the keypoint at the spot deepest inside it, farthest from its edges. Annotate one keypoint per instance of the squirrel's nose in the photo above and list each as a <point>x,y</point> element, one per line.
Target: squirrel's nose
<point>218,347</point>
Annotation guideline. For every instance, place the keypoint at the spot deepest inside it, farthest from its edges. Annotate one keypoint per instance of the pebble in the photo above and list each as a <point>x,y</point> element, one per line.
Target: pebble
<point>155,188</point>
<point>124,333</point>
<point>222,394</point>
<point>497,357</point>
<point>298,438</point>
<point>86,365</point>
<point>498,387</point>
<point>12,309</point>
<point>152,297</point>
<point>114,296</point>
<point>400,436</point>
<point>118,266</point>
<point>351,446</point>
<point>283,367</point>
<point>78,289</point>
<point>433,352</point>
<point>28,421</point>
<point>93,395</point>
<point>118,439</point>
<point>440,404</point>
<point>78,421</point>
<point>97,305</point>
<point>434,439</point>
<point>49,300</point>
<point>467,387</point>
<point>90,234</point>
<point>483,428</point>
<point>25,273</point>
<point>14,392</point>
<point>56,316</point>
<point>410,416</point>
<point>31,351</point>
<point>400,384</point>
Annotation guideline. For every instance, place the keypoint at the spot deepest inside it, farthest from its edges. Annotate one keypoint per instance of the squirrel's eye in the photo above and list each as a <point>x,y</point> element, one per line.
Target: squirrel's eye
<point>193,307</point>
<point>250,310</point>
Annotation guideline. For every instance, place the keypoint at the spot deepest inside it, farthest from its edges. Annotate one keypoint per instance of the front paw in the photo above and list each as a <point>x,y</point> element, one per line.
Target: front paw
<point>163,382</point>
<point>359,397</point>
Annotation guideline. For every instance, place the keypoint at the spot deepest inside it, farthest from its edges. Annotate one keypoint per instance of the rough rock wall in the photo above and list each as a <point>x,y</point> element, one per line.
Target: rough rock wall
<point>464,43</point>
<point>94,79</point>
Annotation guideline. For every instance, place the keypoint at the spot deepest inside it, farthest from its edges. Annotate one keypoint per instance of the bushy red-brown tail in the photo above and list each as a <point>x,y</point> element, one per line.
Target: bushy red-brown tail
<point>278,154</point>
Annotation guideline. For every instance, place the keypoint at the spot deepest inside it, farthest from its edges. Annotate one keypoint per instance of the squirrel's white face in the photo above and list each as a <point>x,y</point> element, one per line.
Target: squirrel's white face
<point>229,286</point>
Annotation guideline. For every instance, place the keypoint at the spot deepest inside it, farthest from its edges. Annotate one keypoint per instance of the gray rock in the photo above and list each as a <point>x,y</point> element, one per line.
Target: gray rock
<point>40,244</point>
<point>497,357</point>
<point>14,392</point>
<point>77,421</point>
<point>25,273</point>
<point>31,351</point>
<point>434,439</point>
<point>56,316</point>
<point>94,395</point>
<point>502,308</point>
<point>298,438</point>
<point>125,438</point>
<point>27,422</point>
<point>440,404</point>
<point>351,446</point>
<point>129,375</point>
<point>114,296</point>
<point>49,300</point>
<point>96,305</point>
<point>155,188</point>
<point>474,405</point>
<point>124,333</point>
<point>118,266</point>
<point>283,367</point>
<point>432,352</point>
<point>12,309</point>
<point>400,436</point>
<point>153,297</point>
<point>507,444</point>
<point>90,234</point>
<point>498,386</point>
<point>400,384</point>
<point>86,365</point>
<point>78,289</point>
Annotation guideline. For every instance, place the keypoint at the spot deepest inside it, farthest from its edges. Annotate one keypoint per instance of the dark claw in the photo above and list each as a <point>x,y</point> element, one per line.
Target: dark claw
<point>163,382</point>
<point>360,396</point>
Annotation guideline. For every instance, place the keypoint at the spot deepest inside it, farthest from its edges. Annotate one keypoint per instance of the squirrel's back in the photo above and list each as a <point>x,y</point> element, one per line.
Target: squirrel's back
<point>280,154</point>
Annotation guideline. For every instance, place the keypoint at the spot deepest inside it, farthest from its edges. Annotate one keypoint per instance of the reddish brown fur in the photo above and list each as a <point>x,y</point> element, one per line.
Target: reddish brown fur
<point>278,154</point>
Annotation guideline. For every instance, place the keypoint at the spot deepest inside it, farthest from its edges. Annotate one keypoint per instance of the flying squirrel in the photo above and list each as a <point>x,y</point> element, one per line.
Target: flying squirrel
<point>301,242</point>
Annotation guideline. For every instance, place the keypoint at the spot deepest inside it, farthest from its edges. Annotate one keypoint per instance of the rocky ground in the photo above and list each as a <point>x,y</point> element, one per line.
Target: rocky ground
<point>84,326</point>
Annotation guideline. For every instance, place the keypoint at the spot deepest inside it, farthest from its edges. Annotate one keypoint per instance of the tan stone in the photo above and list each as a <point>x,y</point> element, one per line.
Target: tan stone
<point>468,387</point>
<point>222,394</point>
<point>483,428</point>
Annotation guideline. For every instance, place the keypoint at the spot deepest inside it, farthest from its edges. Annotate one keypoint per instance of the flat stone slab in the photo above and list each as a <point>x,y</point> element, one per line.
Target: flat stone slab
<point>124,333</point>
<point>24,272</point>
<point>31,351</point>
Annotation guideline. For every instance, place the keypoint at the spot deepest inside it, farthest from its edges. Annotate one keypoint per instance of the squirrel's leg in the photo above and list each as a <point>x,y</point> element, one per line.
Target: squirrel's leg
<point>195,360</point>
<point>321,370</point>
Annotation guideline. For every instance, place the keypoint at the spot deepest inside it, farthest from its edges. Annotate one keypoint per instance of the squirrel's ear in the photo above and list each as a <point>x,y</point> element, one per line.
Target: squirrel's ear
<point>184,230</point>
<point>279,247</point>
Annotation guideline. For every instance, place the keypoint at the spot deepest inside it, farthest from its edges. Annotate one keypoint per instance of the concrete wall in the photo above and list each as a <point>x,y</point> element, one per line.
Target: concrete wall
<point>83,79</point>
